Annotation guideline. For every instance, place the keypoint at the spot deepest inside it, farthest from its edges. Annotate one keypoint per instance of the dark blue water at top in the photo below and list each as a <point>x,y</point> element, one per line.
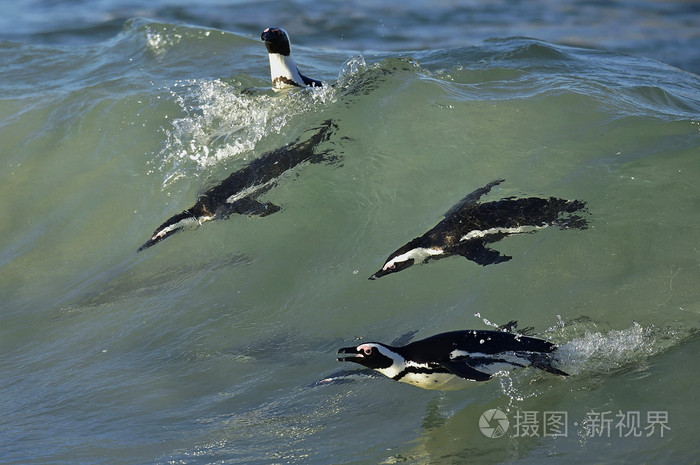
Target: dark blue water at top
<point>668,31</point>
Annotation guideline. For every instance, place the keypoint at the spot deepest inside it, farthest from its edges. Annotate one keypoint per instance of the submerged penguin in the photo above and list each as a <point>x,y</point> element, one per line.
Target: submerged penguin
<point>469,225</point>
<point>451,360</point>
<point>283,69</point>
<point>239,192</point>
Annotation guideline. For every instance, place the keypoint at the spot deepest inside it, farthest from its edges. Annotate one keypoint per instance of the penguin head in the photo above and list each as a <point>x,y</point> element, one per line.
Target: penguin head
<point>401,259</point>
<point>394,264</point>
<point>416,251</point>
<point>371,355</point>
<point>276,41</point>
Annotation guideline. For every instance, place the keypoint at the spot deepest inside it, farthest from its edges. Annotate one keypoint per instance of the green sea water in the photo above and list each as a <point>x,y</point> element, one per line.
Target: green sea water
<point>209,347</point>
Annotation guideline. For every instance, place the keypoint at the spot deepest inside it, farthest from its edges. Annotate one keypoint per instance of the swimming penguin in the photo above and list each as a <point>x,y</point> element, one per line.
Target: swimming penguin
<point>469,225</point>
<point>451,360</point>
<point>238,193</point>
<point>283,69</point>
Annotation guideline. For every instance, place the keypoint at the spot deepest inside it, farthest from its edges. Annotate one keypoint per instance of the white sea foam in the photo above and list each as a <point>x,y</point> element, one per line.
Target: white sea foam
<point>220,122</point>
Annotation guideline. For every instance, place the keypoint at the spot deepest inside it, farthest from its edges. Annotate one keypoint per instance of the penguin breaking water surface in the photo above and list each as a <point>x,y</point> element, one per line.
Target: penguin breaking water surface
<point>451,360</point>
<point>469,226</point>
<point>283,69</point>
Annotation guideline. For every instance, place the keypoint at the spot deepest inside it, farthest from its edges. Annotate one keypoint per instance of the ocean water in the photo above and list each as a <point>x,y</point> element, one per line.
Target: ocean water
<point>213,345</point>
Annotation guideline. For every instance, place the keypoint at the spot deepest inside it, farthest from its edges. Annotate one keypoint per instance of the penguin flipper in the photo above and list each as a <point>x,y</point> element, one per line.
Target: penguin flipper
<point>309,81</point>
<point>473,198</point>
<point>463,370</point>
<point>346,376</point>
<point>512,327</point>
<point>250,206</point>
<point>477,252</point>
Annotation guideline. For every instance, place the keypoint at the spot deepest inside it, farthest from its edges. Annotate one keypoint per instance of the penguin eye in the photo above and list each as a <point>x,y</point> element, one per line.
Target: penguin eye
<point>367,350</point>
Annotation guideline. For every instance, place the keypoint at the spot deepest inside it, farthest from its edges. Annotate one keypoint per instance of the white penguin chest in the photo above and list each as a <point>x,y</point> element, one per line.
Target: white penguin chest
<point>441,381</point>
<point>284,71</point>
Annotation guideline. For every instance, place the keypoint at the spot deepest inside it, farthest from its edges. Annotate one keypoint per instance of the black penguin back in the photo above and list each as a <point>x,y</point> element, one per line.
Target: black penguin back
<point>438,348</point>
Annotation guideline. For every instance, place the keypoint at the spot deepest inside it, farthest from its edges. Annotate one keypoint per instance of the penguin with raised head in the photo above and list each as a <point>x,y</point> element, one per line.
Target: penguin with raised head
<point>469,225</point>
<point>452,360</point>
<point>283,69</point>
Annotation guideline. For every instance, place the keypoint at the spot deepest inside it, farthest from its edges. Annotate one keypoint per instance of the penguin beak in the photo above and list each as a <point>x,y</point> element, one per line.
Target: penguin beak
<point>151,242</point>
<point>350,354</point>
<point>383,272</point>
<point>379,274</point>
<point>392,269</point>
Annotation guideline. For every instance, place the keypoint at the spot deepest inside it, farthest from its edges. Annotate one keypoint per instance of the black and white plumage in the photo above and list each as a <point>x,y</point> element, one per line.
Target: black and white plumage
<point>451,360</point>
<point>284,71</point>
<point>469,225</point>
<point>239,192</point>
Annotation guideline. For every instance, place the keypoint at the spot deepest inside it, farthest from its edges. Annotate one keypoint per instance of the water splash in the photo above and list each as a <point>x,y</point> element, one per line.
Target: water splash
<point>593,353</point>
<point>597,352</point>
<point>158,42</point>
<point>221,120</point>
<point>350,68</point>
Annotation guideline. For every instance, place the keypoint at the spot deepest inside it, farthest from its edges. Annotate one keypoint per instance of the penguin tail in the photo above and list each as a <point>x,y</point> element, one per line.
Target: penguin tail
<point>570,221</point>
